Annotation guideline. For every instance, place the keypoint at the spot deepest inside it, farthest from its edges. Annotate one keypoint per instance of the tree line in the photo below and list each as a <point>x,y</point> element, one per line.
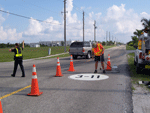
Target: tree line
<point>8,45</point>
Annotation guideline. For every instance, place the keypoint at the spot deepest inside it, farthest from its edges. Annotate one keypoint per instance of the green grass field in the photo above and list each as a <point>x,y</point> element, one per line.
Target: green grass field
<point>31,52</point>
<point>134,76</point>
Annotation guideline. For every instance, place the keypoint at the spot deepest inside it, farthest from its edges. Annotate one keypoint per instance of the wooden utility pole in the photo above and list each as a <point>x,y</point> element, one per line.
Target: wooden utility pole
<point>109,36</point>
<point>83,28</point>
<point>65,25</point>
<point>106,37</point>
<point>95,31</point>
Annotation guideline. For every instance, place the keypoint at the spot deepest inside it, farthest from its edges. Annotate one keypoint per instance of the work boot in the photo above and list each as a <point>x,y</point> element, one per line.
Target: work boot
<point>22,76</point>
<point>104,71</point>
<point>95,71</point>
<point>12,75</point>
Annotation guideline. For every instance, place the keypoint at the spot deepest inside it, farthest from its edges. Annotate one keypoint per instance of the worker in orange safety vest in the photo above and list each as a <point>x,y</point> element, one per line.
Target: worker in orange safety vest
<point>98,52</point>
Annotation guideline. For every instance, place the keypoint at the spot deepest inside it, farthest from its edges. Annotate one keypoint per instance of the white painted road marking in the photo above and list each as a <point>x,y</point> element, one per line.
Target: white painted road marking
<point>88,77</point>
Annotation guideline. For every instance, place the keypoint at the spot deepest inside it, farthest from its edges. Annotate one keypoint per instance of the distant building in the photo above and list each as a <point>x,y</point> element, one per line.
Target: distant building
<point>54,43</point>
<point>34,45</point>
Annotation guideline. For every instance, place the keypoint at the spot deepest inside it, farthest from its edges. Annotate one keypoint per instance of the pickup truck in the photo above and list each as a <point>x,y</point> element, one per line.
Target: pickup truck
<point>80,49</point>
<point>142,54</point>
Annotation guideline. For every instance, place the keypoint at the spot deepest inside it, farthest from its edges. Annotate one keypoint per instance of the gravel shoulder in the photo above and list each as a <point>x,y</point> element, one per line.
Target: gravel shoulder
<point>141,100</point>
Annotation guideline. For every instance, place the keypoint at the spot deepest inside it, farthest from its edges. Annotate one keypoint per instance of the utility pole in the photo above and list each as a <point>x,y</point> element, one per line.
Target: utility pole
<point>109,36</point>
<point>83,28</point>
<point>95,31</point>
<point>106,37</point>
<point>65,25</point>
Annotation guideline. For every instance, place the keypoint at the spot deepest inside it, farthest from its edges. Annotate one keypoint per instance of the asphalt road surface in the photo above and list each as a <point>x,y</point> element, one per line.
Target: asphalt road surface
<point>65,95</point>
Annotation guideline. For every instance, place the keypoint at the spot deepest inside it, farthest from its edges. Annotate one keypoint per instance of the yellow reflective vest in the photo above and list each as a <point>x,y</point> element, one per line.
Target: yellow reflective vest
<point>19,53</point>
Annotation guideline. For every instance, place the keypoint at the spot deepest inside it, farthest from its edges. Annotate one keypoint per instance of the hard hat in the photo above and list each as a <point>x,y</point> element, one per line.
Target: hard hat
<point>94,45</point>
<point>142,33</point>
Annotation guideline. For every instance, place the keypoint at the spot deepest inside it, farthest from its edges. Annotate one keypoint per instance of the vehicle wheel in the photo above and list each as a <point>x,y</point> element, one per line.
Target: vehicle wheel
<point>88,56</point>
<point>75,56</point>
<point>135,62</point>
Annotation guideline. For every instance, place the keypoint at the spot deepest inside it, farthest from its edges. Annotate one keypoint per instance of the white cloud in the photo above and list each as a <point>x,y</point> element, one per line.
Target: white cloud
<point>2,19</point>
<point>69,7</point>
<point>34,28</point>
<point>145,15</point>
<point>116,12</point>
<point>121,22</point>
<point>98,15</point>
<point>9,34</point>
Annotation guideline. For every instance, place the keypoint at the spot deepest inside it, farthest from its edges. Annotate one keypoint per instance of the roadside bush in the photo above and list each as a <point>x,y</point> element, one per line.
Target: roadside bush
<point>131,44</point>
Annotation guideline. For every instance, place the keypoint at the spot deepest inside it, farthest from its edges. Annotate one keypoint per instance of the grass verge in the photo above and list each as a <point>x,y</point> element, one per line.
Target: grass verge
<point>63,55</point>
<point>130,47</point>
<point>106,47</point>
<point>30,52</point>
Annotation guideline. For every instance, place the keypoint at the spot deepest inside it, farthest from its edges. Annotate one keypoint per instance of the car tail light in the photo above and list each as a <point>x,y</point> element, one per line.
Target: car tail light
<point>83,50</point>
<point>140,55</point>
<point>147,58</point>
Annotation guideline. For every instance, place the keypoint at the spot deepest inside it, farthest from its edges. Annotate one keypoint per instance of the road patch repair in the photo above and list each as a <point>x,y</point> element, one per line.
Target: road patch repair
<point>114,69</point>
<point>88,77</point>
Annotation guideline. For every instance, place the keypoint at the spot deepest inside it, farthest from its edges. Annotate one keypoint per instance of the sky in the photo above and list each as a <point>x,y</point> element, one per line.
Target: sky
<point>119,17</point>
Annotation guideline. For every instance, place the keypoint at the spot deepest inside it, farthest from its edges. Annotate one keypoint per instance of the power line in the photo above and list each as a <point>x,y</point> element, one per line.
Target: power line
<point>41,7</point>
<point>75,28</point>
<point>81,11</point>
<point>88,17</point>
<point>27,17</point>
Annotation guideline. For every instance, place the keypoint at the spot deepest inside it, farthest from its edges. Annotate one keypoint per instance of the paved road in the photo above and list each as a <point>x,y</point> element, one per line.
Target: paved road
<point>64,95</point>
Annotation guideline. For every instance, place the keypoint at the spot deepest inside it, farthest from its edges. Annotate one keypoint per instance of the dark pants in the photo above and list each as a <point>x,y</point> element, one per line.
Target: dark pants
<point>16,65</point>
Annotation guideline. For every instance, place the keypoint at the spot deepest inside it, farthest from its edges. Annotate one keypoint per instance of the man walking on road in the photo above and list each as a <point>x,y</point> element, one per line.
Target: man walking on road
<point>18,58</point>
<point>98,51</point>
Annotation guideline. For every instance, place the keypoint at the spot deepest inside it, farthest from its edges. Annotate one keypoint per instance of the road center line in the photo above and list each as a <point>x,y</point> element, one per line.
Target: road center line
<point>14,92</point>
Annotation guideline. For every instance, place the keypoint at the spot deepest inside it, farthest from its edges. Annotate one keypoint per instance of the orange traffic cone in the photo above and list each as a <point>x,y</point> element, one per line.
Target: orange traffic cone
<point>34,84</point>
<point>108,64</point>
<point>1,110</point>
<point>58,69</point>
<point>71,65</point>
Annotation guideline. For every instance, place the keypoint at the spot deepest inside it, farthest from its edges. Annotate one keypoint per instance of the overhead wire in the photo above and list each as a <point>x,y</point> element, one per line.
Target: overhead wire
<point>27,17</point>
<point>41,7</point>
<point>77,8</point>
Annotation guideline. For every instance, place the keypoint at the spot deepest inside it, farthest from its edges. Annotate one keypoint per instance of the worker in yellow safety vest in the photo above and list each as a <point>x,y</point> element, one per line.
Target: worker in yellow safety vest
<point>98,52</point>
<point>18,58</point>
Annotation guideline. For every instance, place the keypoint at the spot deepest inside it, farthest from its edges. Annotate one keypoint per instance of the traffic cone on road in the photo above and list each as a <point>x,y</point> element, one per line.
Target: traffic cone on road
<point>34,84</point>
<point>108,64</point>
<point>1,110</point>
<point>58,69</point>
<point>71,65</point>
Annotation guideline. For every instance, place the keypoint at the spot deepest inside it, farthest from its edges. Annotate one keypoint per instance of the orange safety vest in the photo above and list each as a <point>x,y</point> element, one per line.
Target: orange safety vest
<point>98,50</point>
